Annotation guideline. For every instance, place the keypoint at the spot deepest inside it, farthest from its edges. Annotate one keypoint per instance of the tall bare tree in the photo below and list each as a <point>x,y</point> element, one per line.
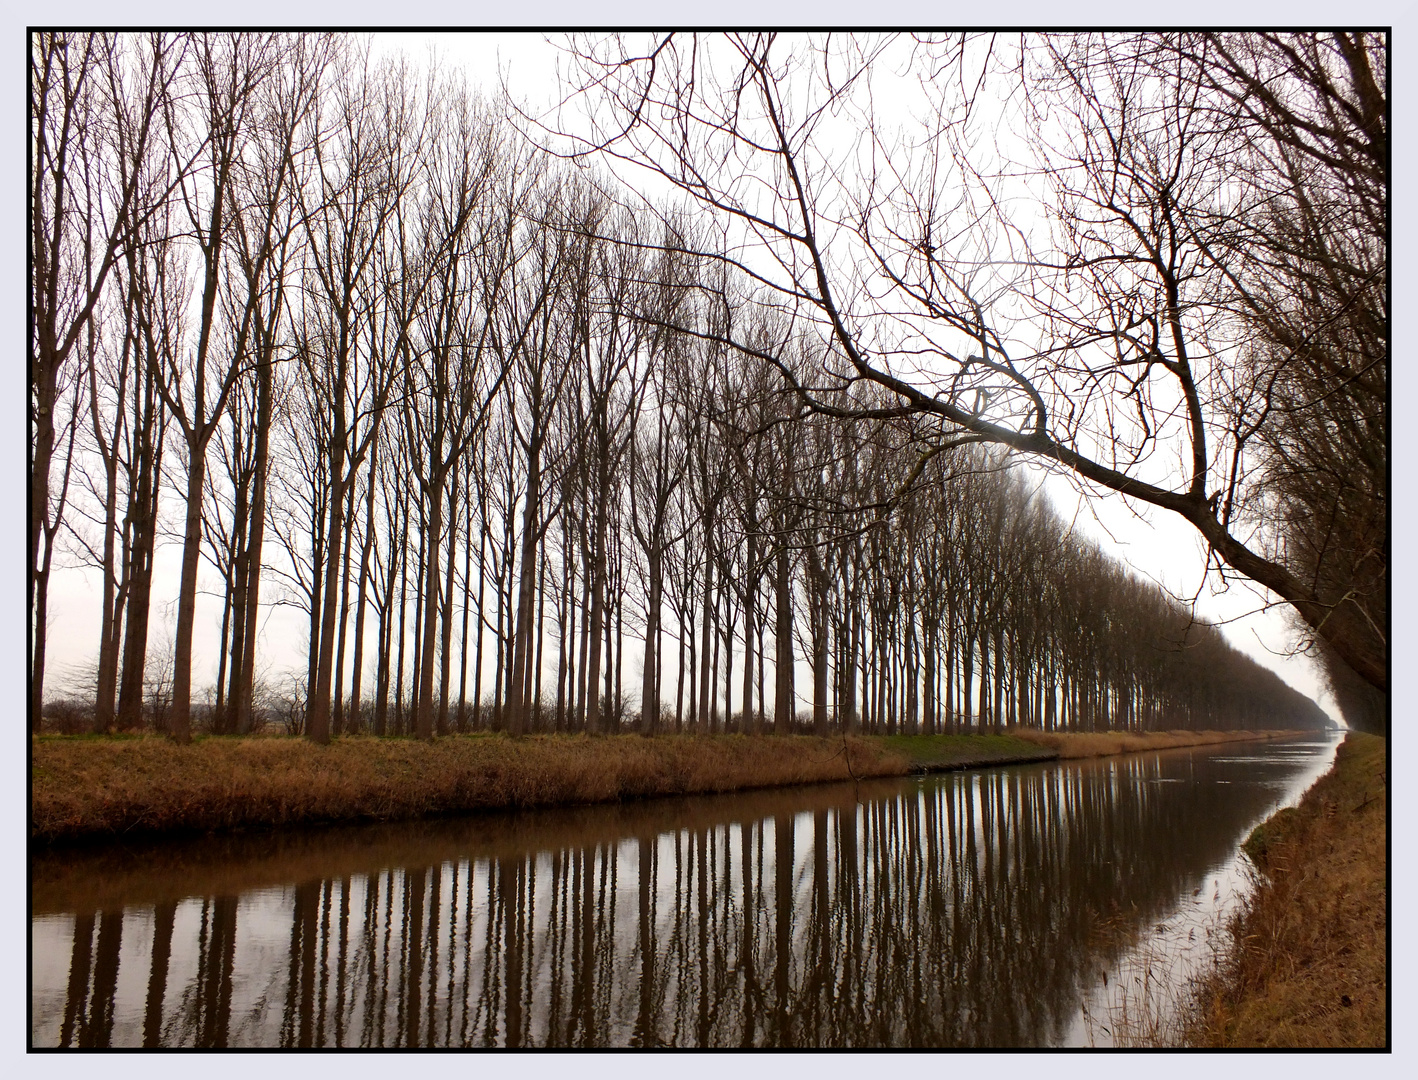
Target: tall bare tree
<point>366,170</point>
<point>219,108</point>
<point>94,100</point>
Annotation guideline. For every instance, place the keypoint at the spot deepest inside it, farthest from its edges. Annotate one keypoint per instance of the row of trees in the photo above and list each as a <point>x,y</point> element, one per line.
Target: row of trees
<point>1158,260</point>
<point>507,445</point>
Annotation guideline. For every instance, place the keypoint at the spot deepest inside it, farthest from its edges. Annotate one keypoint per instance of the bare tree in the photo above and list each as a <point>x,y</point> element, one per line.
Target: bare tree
<point>266,236</point>
<point>153,302</point>
<point>659,457</point>
<point>365,170</point>
<point>91,103</point>
<point>532,336</point>
<point>226,69</point>
<point>451,388</point>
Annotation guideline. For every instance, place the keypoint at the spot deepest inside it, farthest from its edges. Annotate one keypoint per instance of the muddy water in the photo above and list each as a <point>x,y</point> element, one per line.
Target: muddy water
<point>971,909</point>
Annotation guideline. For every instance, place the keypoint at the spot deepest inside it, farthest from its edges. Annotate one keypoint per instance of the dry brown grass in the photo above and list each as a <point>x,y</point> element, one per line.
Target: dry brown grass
<point>1071,744</point>
<point>106,787</point>
<point>1308,966</point>
<point>86,787</point>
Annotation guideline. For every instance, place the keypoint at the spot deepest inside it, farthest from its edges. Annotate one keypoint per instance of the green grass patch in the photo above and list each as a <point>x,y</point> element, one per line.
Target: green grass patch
<point>961,751</point>
<point>1268,833</point>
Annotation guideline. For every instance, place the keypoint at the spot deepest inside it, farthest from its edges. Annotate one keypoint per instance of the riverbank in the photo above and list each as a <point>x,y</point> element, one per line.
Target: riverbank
<point>1089,744</point>
<point>90,788</point>
<point>1307,963</point>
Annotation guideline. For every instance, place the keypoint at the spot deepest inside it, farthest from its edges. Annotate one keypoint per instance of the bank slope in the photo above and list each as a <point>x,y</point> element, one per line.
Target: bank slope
<point>89,787</point>
<point>1307,965</point>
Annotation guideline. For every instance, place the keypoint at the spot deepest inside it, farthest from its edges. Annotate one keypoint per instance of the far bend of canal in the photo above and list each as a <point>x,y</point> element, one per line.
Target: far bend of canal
<point>975,909</point>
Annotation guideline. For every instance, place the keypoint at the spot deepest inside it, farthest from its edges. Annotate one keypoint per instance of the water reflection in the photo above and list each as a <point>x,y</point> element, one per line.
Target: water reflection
<point>974,909</point>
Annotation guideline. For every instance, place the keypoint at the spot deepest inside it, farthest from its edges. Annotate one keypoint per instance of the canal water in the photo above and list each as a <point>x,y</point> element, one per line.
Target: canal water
<point>1018,906</point>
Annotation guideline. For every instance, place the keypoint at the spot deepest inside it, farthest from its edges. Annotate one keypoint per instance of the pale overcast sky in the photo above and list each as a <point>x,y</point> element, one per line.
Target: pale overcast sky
<point>1157,544</point>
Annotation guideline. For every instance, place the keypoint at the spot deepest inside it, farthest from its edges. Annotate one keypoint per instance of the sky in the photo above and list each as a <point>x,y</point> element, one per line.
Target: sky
<point>1158,545</point>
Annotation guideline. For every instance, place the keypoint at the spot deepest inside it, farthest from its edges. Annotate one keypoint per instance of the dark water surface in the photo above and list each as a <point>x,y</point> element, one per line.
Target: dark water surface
<point>970,909</point>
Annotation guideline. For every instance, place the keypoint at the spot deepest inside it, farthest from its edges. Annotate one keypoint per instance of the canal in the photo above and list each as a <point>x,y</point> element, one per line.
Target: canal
<point>1011,907</point>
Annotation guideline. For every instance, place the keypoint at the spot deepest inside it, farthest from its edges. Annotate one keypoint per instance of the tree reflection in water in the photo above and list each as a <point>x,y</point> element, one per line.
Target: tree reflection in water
<point>967,910</point>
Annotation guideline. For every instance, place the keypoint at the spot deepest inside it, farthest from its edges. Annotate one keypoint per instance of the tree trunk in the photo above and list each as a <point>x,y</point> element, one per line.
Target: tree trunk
<point>618,697</point>
<point>143,515</point>
<point>337,709</point>
<point>594,723</point>
<point>41,614</point>
<point>750,595</point>
<point>357,676</point>
<point>467,604</point>
<point>246,683</point>
<point>566,634</point>
<point>317,590</point>
<point>929,704</point>
<point>706,689</point>
<point>728,629</point>
<point>783,698</point>
<point>583,646</point>
<point>534,677</point>
<point>180,718</point>
<point>236,602</point>
<point>46,375</point>
<point>526,587</point>
<point>999,679</point>
<point>433,530</point>
<point>849,691</point>
<point>317,727</point>
<point>649,686</point>
<point>445,651</point>
<point>106,684</point>
<point>679,676</point>
<point>420,598</point>
<point>217,722</point>
<point>821,627</point>
<point>478,652</point>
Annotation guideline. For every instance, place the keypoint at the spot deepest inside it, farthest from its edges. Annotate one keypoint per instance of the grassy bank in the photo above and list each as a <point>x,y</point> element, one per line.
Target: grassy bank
<point>89,787</point>
<point>1307,964</point>
<point>942,753</point>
